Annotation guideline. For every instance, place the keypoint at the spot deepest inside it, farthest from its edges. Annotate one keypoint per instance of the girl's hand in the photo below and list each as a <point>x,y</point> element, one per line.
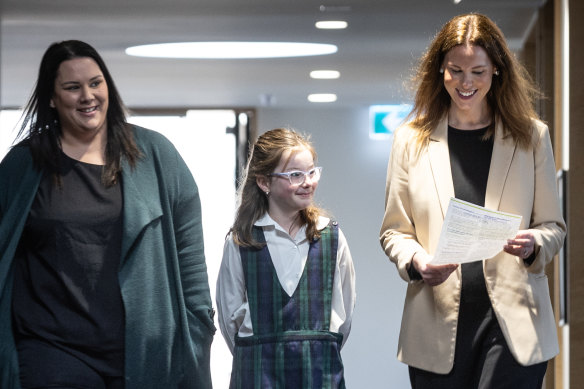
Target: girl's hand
<point>433,275</point>
<point>523,245</point>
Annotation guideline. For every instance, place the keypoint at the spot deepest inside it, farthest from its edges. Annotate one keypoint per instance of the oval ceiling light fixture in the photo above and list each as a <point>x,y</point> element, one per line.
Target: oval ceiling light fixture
<point>231,50</point>
<point>331,24</point>
<point>325,74</point>
<point>322,98</point>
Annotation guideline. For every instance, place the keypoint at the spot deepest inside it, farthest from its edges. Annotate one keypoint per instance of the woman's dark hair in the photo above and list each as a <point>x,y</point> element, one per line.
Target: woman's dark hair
<point>40,124</point>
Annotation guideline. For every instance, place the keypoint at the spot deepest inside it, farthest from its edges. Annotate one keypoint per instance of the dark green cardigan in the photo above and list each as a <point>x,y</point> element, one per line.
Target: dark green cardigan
<point>163,275</point>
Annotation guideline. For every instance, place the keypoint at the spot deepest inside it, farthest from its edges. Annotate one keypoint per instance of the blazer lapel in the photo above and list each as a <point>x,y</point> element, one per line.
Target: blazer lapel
<point>440,164</point>
<point>503,151</point>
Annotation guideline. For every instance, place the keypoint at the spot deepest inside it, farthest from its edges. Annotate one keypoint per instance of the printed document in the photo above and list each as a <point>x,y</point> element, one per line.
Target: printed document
<point>473,233</point>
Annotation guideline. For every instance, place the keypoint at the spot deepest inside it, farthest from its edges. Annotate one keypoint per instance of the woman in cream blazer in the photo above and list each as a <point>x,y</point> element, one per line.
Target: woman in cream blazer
<point>521,180</point>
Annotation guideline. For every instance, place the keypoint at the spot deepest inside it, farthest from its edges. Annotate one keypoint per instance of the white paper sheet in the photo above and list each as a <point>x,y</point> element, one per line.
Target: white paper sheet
<point>473,233</point>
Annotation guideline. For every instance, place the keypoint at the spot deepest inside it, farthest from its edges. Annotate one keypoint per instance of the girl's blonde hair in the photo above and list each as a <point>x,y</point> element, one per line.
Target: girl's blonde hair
<point>265,155</point>
<point>512,94</point>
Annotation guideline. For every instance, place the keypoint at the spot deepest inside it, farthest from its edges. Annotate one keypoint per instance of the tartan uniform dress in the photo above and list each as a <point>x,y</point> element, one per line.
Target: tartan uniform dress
<point>292,347</point>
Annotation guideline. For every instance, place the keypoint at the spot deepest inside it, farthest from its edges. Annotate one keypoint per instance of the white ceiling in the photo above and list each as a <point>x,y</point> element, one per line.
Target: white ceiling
<point>375,55</point>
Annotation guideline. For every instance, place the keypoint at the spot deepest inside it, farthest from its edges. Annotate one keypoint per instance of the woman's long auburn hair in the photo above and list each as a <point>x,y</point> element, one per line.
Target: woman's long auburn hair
<point>264,157</point>
<point>512,94</point>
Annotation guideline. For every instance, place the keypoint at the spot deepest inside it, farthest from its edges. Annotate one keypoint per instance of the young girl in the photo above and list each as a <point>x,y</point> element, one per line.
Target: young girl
<point>286,287</point>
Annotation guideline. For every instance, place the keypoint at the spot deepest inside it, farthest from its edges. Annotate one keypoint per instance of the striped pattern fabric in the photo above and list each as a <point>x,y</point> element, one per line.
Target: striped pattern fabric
<point>292,347</point>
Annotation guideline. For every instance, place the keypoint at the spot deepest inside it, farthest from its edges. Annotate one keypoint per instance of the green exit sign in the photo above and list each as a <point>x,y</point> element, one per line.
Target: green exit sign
<point>385,119</point>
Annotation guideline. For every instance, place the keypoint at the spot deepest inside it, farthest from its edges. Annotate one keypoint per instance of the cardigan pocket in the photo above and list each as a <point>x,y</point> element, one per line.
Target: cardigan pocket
<point>204,316</point>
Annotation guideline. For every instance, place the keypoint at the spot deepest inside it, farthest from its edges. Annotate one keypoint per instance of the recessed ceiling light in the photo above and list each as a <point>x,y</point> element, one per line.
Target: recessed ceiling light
<point>331,24</point>
<point>325,74</point>
<point>231,50</point>
<point>322,97</point>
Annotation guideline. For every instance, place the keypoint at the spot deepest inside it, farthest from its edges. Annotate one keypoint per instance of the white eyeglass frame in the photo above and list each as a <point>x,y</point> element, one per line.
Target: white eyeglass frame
<point>316,170</point>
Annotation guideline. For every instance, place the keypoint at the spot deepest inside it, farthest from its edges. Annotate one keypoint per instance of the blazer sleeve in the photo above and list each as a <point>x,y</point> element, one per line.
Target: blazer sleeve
<point>547,223</point>
<point>398,232</point>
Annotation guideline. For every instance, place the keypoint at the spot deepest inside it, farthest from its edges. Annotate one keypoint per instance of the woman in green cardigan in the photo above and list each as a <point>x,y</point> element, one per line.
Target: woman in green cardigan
<point>103,282</point>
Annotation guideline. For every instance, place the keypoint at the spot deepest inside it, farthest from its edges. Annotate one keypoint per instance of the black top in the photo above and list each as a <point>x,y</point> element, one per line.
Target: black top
<point>66,289</point>
<point>470,160</point>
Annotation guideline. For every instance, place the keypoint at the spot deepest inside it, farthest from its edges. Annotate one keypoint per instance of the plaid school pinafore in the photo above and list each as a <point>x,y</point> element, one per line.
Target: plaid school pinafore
<point>292,347</point>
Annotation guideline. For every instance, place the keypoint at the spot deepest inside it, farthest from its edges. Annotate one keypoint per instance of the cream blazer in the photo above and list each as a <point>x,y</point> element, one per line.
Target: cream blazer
<point>418,189</point>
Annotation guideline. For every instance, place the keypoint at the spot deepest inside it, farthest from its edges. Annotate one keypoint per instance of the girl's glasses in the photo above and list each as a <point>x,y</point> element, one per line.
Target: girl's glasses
<point>297,177</point>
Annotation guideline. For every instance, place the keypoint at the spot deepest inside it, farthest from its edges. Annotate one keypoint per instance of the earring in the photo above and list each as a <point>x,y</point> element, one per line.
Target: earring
<point>267,193</point>
<point>496,72</point>
<point>441,71</point>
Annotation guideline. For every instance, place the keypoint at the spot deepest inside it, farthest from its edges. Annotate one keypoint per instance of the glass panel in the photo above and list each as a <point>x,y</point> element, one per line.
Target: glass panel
<point>9,119</point>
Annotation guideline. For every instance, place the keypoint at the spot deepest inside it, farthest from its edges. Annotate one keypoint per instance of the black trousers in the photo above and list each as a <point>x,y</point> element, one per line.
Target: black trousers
<point>482,359</point>
<point>44,366</point>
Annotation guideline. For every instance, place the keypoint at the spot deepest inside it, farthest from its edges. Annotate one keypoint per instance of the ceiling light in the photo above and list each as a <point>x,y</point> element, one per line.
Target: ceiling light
<point>322,98</point>
<point>331,24</point>
<point>456,1</point>
<point>325,74</point>
<point>230,50</point>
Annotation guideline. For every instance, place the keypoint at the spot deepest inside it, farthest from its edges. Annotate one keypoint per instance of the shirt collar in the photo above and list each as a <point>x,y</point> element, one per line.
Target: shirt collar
<point>267,221</point>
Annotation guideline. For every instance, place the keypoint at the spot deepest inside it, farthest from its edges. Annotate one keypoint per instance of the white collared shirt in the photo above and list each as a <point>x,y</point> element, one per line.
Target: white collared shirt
<point>289,257</point>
